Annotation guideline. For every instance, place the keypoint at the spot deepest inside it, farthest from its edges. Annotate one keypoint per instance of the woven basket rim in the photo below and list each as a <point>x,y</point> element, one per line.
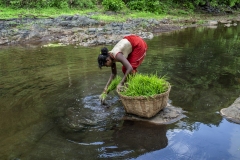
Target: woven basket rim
<point>145,97</point>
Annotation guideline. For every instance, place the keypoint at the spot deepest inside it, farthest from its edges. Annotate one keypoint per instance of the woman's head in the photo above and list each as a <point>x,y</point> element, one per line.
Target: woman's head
<point>103,57</point>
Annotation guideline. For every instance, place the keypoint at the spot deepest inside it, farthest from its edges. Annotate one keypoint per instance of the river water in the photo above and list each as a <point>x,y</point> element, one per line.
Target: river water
<point>50,108</point>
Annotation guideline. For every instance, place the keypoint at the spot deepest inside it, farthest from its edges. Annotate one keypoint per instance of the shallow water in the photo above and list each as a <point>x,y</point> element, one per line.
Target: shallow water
<point>50,108</point>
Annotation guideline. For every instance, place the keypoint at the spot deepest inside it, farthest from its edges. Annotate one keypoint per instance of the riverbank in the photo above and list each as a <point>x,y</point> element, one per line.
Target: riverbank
<point>84,30</point>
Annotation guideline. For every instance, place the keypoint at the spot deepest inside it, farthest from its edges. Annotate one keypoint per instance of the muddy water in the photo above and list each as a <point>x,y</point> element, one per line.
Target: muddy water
<point>50,108</point>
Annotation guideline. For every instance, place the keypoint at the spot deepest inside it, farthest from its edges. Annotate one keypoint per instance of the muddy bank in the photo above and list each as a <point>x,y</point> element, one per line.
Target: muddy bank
<point>85,31</point>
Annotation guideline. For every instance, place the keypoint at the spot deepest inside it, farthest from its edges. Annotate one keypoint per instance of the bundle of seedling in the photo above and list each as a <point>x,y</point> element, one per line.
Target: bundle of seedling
<point>145,95</point>
<point>145,85</point>
<point>111,87</point>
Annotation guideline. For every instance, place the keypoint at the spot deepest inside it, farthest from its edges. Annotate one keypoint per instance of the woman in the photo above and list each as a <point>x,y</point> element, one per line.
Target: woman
<point>130,51</point>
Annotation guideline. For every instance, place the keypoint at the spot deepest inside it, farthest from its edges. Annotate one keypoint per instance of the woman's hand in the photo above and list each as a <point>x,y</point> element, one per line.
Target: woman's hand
<point>120,87</point>
<point>103,97</point>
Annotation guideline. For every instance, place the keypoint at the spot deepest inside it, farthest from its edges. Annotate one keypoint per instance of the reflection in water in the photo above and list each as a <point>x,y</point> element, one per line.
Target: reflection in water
<point>127,140</point>
<point>209,142</point>
<point>50,109</point>
<point>203,66</point>
<point>140,137</point>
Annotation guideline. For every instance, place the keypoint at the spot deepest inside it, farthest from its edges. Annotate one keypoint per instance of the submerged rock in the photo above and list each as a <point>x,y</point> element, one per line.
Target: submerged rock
<point>232,113</point>
<point>90,114</point>
<point>168,115</point>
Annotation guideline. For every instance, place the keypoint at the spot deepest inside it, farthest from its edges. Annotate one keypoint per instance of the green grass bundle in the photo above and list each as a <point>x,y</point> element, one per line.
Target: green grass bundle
<point>103,96</point>
<point>114,83</point>
<point>145,85</point>
<point>111,87</point>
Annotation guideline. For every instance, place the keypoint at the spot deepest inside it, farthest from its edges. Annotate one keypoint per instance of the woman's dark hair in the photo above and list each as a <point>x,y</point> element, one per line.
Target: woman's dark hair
<point>102,58</point>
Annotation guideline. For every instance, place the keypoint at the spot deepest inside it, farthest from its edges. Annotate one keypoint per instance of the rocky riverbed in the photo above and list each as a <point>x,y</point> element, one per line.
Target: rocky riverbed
<point>76,29</point>
<point>85,31</point>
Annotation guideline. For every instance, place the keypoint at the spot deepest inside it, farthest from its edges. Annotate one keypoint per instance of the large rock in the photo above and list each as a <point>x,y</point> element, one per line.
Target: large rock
<point>168,115</point>
<point>232,113</point>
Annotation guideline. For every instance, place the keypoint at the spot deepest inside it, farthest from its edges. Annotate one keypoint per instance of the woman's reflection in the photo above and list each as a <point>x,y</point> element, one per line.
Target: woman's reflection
<point>140,137</point>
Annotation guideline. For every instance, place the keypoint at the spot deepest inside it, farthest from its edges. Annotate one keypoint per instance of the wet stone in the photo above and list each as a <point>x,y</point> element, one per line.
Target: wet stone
<point>168,115</point>
<point>232,113</point>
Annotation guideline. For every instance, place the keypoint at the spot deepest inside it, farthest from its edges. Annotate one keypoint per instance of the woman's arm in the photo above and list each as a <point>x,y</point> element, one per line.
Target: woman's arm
<point>112,76</point>
<point>126,64</point>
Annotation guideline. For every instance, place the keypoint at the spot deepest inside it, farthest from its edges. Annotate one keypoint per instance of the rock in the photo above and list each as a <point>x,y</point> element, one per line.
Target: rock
<point>145,35</point>
<point>3,41</point>
<point>212,27</point>
<point>79,30</point>
<point>77,121</point>
<point>225,21</point>
<point>232,113</point>
<point>35,35</point>
<point>211,23</point>
<point>82,30</point>
<point>168,115</point>
<point>227,25</point>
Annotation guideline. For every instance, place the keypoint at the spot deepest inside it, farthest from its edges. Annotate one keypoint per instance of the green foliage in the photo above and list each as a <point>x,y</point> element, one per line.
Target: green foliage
<point>138,5</point>
<point>184,11</point>
<point>154,6</point>
<point>231,3</point>
<point>83,3</point>
<point>189,4</point>
<point>145,85</point>
<point>113,5</point>
<point>48,3</point>
<point>151,6</point>
<point>197,2</point>
<point>34,3</point>
<point>103,96</point>
<point>58,3</point>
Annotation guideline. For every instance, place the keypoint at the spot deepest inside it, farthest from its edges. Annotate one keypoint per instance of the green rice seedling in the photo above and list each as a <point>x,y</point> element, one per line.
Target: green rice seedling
<point>111,87</point>
<point>145,85</point>
<point>114,83</point>
<point>103,96</point>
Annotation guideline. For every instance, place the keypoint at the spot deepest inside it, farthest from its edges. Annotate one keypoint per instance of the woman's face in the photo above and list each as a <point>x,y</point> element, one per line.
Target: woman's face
<point>109,62</point>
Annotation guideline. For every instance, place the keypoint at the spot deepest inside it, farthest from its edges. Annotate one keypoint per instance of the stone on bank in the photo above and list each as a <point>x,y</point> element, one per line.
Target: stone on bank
<point>232,113</point>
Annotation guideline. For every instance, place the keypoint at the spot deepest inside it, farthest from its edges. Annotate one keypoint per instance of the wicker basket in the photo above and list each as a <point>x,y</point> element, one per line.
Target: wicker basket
<point>145,106</point>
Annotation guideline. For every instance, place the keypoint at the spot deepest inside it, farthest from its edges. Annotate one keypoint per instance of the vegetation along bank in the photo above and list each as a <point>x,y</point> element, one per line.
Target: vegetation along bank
<point>101,22</point>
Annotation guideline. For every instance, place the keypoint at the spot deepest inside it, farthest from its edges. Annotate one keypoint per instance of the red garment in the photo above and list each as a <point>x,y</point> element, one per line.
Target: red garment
<point>139,48</point>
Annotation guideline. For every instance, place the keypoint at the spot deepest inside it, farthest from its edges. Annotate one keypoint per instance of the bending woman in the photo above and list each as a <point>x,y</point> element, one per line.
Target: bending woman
<point>130,51</point>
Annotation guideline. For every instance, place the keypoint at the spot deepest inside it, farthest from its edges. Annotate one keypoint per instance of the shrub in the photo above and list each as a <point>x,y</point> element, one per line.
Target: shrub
<point>48,3</point>
<point>113,5</point>
<point>154,6</point>
<point>83,3</point>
